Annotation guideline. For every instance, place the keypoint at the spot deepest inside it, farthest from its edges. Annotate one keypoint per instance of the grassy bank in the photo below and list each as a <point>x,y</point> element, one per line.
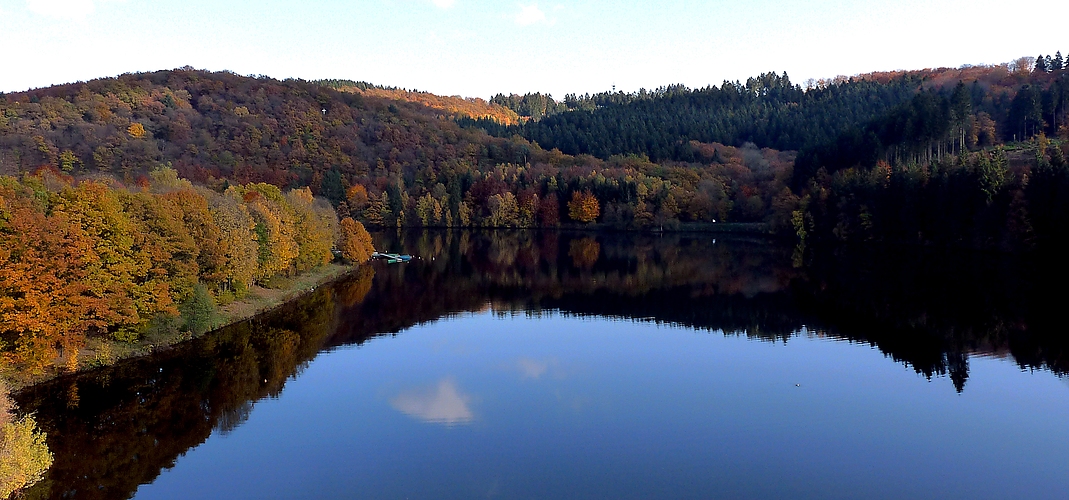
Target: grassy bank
<point>105,351</point>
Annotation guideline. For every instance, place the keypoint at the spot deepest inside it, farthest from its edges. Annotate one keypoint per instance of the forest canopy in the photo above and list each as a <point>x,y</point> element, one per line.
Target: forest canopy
<point>767,150</point>
<point>93,258</point>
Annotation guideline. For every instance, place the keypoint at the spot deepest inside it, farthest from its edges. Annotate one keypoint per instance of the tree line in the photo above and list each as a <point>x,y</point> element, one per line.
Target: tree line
<point>654,159</point>
<point>383,161</point>
<point>768,110</point>
<point>937,122</point>
<point>971,157</point>
<point>977,165</point>
<point>93,258</point>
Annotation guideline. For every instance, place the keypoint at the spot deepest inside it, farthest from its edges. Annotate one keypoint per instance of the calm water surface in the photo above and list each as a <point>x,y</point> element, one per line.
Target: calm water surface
<point>530,365</point>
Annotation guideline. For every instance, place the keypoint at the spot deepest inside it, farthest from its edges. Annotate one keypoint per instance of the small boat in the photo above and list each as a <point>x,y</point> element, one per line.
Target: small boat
<point>391,258</point>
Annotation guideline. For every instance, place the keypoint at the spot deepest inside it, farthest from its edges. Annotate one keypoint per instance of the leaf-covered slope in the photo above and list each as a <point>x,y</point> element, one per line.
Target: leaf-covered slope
<point>289,133</point>
<point>456,106</point>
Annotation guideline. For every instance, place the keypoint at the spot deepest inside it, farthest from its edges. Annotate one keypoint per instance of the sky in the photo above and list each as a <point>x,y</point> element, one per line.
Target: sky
<point>477,48</point>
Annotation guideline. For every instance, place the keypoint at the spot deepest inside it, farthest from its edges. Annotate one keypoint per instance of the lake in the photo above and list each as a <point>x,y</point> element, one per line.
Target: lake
<point>572,365</point>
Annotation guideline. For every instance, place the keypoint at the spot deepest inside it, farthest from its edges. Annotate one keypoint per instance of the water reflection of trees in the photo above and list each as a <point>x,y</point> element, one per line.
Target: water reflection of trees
<point>116,428</point>
<point>928,310</point>
<point>932,310</point>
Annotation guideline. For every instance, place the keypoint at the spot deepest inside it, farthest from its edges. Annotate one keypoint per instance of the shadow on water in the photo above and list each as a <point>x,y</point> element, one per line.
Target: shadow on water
<point>116,428</point>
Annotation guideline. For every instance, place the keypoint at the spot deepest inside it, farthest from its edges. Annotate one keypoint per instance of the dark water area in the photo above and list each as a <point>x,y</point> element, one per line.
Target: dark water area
<point>572,365</point>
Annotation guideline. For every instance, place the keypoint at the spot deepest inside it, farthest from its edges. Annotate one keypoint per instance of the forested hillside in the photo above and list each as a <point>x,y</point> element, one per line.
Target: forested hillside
<point>975,159</point>
<point>768,110</point>
<point>968,157</point>
<point>382,160</point>
<point>909,155</point>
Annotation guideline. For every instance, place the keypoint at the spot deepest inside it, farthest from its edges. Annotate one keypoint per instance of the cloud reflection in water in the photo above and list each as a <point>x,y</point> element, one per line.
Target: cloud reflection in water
<point>536,369</point>
<point>441,404</point>
<point>531,368</point>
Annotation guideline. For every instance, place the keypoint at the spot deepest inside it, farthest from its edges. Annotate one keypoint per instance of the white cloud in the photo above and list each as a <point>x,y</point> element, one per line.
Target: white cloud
<point>530,14</point>
<point>71,9</point>
<point>443,4</point>
<point>68,9</point>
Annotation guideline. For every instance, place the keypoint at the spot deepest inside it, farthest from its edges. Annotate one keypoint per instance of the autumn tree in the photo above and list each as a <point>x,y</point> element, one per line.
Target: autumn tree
<point>528,209</point>
<point>136,130</point>
<point>193,211</point>
<point>315,230</point>
<point>378,211</point>
<point>238,243</point>
<point>274,229</point>
<point>549,211</point>
<point>162,245</point>
<point>504,211</point>
<point>355,244</point>
<point>46,297</point>
<point>24,455</point>
<point>583,207</point>
<point>120,273</point>
<point>428,210</point>
<point>357,197</point>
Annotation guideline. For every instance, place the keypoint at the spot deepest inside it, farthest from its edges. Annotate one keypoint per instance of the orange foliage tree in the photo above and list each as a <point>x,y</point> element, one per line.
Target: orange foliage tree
<point>45,301</point>
<point>584,207</point>
<point>356,243</point>
<point>94,258</point>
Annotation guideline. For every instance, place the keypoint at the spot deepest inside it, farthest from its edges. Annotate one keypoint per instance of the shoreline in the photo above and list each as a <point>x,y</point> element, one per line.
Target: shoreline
<point>747,228</point>
<point>105,352</point>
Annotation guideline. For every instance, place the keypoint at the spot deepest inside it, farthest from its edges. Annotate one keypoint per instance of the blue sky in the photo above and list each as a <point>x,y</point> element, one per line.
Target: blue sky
<point>479,48</point>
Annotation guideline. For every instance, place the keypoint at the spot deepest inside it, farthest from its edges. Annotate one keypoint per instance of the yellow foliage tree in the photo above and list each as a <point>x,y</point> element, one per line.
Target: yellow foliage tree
<point>503,210</point>
<point>378,210</point>
<point>126,272</point>
<point>162,245</point>
<point>316,228</point>
<point>429,210</point>
<point>274,233</point>
<point>192,209</point>
<point>136,130</point>
<point>24,455</point>
<point>238,244</point>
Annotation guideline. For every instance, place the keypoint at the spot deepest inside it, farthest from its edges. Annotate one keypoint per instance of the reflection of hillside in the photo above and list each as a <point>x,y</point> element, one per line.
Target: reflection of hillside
<point>932,310</point>
<point>116,428</point>
<point>928,311</point>
<point>690,281</point>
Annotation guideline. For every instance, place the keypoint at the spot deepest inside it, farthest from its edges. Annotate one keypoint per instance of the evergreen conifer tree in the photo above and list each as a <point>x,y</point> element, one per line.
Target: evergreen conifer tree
<point>1041,64</point>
